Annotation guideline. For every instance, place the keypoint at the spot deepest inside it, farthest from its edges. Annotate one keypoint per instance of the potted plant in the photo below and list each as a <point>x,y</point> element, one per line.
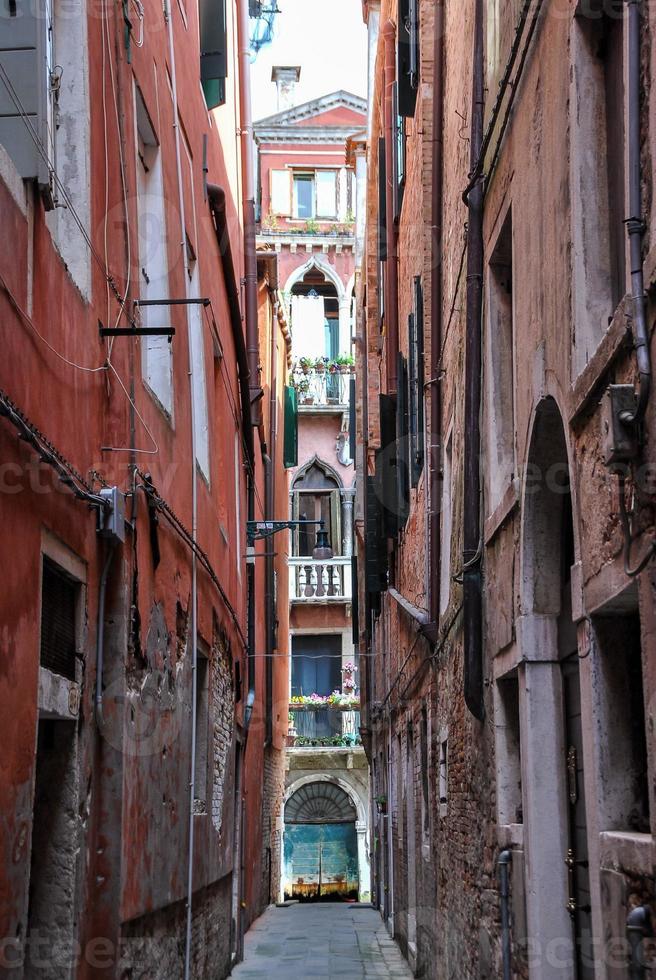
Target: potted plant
<point>345,363</point>
<point>311,227</point>
<point>381,802</point>
<point>320,365</point>
<point>333,367</point>
<point>305,364</point>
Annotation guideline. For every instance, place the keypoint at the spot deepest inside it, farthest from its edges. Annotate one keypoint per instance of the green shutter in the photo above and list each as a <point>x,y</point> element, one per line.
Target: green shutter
<point>213,50</point>
<point>291,428</point>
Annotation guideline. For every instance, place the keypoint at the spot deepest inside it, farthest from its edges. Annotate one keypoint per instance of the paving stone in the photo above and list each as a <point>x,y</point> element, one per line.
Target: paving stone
<point>320,942</point>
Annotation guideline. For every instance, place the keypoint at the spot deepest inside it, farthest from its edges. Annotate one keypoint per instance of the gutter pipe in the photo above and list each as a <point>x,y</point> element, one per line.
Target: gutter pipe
<point>100,633</point>
<point>392,269</point>
<point>472,598</point>
<point>504,861</point>
<point>635,225</point>
<point>638,928</point>
<point>435,446</point>
<point>250,289</point>
<point>194,502</point>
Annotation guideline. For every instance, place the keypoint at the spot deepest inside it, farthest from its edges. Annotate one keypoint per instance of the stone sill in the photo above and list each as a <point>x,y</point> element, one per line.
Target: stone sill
<point>502,512</point>
<point>617,339</point>
<point>622,850</point>
<point>337,409</point>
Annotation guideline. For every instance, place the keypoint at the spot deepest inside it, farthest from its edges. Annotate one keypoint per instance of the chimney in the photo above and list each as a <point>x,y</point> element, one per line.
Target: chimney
<point>285,77</point>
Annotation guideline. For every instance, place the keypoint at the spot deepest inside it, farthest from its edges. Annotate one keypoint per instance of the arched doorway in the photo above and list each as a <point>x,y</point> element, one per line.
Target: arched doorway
<point>552,756</point>
<point>320,844</point>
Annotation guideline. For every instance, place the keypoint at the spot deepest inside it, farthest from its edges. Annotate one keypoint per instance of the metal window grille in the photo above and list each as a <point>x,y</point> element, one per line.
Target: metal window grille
<point>59,595</point>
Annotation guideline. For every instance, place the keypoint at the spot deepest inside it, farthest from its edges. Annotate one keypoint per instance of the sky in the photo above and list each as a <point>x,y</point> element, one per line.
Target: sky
<point>327,38</point>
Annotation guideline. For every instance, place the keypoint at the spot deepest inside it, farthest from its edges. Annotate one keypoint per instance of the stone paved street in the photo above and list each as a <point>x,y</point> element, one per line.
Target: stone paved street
<point>320,942</point>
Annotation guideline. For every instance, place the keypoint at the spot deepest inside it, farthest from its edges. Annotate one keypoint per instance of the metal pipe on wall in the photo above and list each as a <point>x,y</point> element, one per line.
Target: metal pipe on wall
<point>391,265</point>
<point>472,551</point>
<point>638,928</point>
<point>504,861</point>
<point>635,225</point>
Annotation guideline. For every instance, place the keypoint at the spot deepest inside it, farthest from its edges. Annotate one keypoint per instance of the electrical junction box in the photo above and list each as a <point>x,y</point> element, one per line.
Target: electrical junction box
<point>619,439</point>
<point>112,515</point>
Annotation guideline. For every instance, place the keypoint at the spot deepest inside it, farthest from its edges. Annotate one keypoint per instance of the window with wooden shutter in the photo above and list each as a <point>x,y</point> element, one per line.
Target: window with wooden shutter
<point>382,202</point>
<point>399,152</point>
<point>416,384</point>
<point>280,188</point>
<point>213,51</point>
<point>59,598</point>
<point>386,467</point>
<point>402,442</point>
<point>290,448</point>
<point>407,55</point>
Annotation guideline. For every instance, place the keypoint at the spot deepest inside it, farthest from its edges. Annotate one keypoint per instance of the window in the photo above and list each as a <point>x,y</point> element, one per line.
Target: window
<point>407,56</point>
<point>316,669</point>
<point>201,422</point>
<point>621,710</point>
<point>153,257</point>
<point>315,195</point>
<point>509,767</point>
<point>202,732</point>
<point>444,773</point>
<point>399,153</point>
<point>59,599</point>
<point>303,196</point>
<point>425,795</point>
<point>598,195</point>
<point>316,497</point>
<point>280,191</point>
<point>213,51</point>
<point>326,188</point>
<point>499,368</point>
<point>416,383</point>
<point>445,541</point>
<point>45,53</point>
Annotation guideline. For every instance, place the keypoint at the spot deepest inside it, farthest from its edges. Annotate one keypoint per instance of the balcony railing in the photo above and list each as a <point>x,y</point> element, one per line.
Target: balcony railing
<point>320,581</point>
<point>322,388</point>
<point>323,727</point>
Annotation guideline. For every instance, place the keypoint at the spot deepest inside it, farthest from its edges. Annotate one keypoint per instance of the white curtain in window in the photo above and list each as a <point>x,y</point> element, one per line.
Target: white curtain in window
<point>308,326</point>
<point>326,193</point>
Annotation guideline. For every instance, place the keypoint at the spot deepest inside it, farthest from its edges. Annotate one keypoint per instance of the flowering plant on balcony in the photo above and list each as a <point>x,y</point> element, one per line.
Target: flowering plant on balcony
<point>338,698</point>
<point>348,678</point>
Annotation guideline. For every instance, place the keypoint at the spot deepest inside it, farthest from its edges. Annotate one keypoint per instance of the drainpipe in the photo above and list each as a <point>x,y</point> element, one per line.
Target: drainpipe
<point>472,598</point>
<point>250,289</point>
<point>269,503</point>
<point>194,503</point>
<point>392,269</point>
<point>504,862</point>
<point>638,928</point>
<point>635,225</point>
<point>100,633</point>
<point>435,448</point>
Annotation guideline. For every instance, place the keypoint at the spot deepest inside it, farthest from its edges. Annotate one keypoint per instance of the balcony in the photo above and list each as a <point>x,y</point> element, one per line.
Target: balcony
<point>320,581</point>
<point>322,390</point>
<point>324,726</point>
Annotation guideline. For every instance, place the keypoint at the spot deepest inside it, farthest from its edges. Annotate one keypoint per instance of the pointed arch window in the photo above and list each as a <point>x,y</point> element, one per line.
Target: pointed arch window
<point>316,496</point>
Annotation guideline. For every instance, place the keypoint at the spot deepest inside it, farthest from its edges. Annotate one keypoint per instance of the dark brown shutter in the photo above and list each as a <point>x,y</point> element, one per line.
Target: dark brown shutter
<point>58,615</point>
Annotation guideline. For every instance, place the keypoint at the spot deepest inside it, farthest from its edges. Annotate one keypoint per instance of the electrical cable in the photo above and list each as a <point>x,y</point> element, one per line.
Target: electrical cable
<point>162,505</point>
<point>48,453</point>
<point>28,320</point>
<point>629,538</point>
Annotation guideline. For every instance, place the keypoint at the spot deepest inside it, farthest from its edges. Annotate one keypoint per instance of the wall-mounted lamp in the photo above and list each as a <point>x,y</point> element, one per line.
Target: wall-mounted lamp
<point>259,530</point>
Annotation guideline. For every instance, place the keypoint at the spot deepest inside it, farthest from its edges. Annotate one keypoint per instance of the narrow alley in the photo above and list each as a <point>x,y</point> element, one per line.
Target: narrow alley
<point>327,489</point>
<point>321,942</point>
